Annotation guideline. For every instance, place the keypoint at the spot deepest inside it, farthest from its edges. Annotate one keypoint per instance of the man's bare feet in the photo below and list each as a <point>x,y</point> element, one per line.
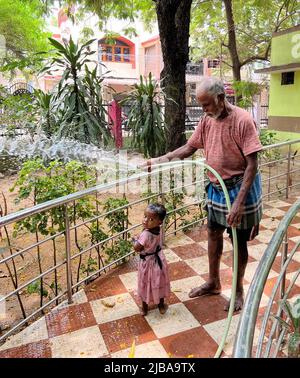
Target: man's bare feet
<point>205,289</point>
<point>238,303</point>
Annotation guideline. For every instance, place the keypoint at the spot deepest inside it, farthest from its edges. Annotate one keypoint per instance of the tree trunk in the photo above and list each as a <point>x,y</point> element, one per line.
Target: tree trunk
<point>173,18</point>
<point>236,64</point>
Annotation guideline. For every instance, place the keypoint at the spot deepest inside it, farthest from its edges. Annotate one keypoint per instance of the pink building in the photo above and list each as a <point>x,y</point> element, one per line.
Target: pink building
<point>123,61</point>
<point>151,57</point>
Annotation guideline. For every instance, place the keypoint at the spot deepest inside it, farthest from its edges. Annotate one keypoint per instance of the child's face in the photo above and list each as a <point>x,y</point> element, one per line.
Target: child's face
<point>151,219</point>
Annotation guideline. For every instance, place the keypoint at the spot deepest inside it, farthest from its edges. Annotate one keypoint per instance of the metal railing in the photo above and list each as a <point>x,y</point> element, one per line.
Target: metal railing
<point>14,258</point>
<point>272,337</point>
<point>280,168</point>
<point>44,259</point>
<point>263,115</point>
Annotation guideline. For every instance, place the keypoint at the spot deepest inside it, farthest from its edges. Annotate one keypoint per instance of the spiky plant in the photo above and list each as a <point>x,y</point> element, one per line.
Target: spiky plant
<point>78,99</point>
<point>145,118</point>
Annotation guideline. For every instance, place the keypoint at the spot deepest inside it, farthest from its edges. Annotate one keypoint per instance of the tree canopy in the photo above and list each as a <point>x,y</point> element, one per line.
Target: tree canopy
<point>254,21</point>
<point>121,9</point>
<point>22,26</point>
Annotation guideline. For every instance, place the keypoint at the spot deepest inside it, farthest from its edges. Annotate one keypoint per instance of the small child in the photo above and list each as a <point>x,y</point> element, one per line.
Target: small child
<point>153,277</point>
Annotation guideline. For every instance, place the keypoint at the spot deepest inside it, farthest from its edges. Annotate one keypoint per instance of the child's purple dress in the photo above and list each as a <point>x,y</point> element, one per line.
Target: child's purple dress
<point>153,281</point>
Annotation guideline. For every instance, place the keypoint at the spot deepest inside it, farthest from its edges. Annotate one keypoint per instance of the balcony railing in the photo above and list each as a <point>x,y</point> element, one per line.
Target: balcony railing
<point>66,272</point>
<point>272,336</point>
<point>194,69</point>
<point>280,176</point>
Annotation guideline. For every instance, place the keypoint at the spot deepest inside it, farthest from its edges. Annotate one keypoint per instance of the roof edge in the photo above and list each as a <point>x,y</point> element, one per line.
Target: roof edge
<point>282,68</point>
<point>286,31</point>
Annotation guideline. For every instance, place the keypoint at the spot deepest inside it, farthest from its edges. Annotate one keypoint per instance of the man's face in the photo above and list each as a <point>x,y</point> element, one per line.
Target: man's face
<point>211,105</point>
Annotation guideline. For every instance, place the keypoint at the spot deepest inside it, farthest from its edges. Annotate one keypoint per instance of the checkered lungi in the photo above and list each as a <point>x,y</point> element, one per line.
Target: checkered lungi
<point>216,203</point>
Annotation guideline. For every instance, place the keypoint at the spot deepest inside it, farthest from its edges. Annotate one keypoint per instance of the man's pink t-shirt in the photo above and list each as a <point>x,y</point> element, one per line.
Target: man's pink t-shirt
<point>226,142</point>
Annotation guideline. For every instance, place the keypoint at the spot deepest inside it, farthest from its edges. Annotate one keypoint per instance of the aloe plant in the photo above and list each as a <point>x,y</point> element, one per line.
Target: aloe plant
<point>293,326</point>
<point>43,106</point>
<point>78,100</point>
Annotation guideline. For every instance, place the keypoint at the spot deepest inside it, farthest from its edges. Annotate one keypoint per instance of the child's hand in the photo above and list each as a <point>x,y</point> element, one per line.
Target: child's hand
<point>136,245</point>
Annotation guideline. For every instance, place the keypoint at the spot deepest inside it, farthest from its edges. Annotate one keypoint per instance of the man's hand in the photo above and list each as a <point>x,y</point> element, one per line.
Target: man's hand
<point>234,218</point>
<point>178,154</point>
<point>148,164</point>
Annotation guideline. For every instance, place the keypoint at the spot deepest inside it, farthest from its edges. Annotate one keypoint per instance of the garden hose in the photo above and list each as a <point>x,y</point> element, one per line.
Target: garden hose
<point>235,245</point>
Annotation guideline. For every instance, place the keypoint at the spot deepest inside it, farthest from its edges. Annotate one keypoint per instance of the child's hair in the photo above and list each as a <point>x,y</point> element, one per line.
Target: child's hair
<point>159,209</point>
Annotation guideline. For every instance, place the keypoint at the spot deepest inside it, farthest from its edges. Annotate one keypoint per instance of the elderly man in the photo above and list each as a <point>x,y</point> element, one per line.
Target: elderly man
<point>230,141</point>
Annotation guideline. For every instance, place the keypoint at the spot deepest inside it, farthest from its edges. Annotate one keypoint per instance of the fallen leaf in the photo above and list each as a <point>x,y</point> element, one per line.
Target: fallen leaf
<point>107,303</point>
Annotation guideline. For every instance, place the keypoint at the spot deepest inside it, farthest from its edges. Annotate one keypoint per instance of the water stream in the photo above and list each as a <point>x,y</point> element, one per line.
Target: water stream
<point>13,151</point>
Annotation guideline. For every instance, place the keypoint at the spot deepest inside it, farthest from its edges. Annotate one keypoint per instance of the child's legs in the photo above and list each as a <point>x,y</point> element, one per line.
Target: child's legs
<point>162,306</point>
<point>144,309</point>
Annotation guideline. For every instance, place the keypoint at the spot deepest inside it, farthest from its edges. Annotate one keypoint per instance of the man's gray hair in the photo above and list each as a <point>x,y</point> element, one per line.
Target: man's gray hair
<point>212,86</point>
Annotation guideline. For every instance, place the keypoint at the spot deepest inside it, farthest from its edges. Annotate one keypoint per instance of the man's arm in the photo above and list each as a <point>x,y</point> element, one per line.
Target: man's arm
<point>235,216</point>
<point>180,153</point>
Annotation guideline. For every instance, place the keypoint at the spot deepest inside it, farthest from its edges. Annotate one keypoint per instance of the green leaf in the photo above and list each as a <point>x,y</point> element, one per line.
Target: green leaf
<point>58,45</point>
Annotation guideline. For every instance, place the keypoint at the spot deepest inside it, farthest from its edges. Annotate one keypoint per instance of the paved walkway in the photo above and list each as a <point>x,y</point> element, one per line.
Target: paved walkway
<point>104,319</point>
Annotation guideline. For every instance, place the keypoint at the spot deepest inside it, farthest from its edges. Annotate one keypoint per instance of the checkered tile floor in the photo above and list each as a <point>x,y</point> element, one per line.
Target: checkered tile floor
<point>104,319</point>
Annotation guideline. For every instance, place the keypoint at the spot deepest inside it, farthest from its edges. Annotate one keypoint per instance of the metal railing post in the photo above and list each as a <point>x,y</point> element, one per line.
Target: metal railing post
<point>283,260</point>
<point>68,254</point>
<point>269,182</point>
<point>284,252</point>
<point>162,196</point>
<point>288,173</point>
<point>245,333</point>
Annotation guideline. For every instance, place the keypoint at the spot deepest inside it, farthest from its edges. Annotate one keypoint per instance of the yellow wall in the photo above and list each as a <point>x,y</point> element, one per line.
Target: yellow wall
<point>284,99</point>
<point>286,49</point>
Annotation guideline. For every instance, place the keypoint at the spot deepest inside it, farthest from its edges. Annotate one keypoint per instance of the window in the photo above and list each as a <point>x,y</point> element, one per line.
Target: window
<point>287,78</point>
<point>194,68</point>
<point>213,63</point>
<point>126,53</point>
<point>120,52</point>
<point>107,53</point>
